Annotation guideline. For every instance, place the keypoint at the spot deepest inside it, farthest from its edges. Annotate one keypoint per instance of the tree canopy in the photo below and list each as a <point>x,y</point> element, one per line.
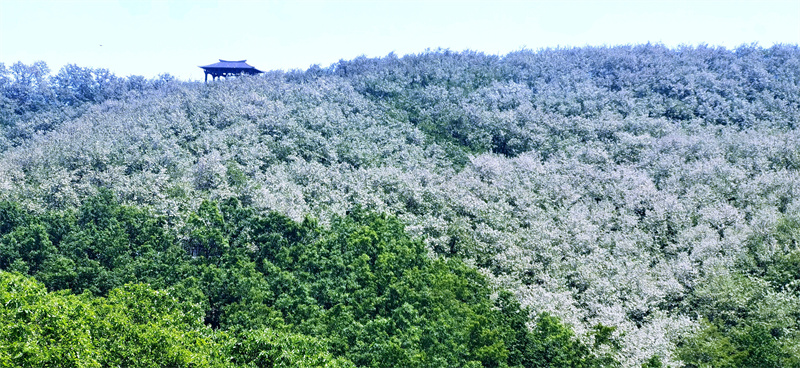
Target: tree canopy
<point>632,205</point>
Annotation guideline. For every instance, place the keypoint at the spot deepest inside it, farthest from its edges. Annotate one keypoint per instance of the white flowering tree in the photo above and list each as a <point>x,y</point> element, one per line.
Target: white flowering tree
<point>633,188</point>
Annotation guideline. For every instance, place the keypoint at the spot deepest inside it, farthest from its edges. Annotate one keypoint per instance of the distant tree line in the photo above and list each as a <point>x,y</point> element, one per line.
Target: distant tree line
<point>31,94</point>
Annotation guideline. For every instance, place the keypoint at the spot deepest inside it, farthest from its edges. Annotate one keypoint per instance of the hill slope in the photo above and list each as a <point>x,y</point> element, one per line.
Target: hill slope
<point>650,189</point>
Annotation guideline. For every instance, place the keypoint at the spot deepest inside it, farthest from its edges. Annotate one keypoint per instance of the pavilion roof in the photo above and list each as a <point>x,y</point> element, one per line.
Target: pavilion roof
<point>232,65</point>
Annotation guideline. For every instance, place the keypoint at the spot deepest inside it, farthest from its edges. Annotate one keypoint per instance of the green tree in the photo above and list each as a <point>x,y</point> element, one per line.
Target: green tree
<point>267,348</point>
<point>134,327</point>
<point>746,324</point>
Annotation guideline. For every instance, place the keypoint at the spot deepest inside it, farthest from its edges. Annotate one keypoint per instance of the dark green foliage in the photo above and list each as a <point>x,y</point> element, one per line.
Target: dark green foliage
<point>11,215</point>
<point>290,294</point>
<point>102,246</point>
<point>270,348</point>
<point>653,362</point>
<point>747,345</point>
<point>784,273</point>
<point>204,230</point>
<point>26,249</point>
<point>377,298</point>
<point>775,256</point>
<point>746,325</point>
<point>550,344</point>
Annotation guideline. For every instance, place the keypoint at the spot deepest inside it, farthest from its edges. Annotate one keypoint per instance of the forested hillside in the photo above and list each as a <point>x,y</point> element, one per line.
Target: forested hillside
<point>632,206</point>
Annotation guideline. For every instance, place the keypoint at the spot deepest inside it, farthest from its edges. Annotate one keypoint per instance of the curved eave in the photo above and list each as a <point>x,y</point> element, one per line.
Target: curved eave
<point>214,69</point>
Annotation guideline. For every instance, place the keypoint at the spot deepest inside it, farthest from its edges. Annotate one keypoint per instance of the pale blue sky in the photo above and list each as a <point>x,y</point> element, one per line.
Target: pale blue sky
<point>151,37</point>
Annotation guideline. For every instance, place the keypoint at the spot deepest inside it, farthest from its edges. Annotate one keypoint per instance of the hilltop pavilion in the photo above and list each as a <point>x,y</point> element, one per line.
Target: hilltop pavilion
<point>226,68</point>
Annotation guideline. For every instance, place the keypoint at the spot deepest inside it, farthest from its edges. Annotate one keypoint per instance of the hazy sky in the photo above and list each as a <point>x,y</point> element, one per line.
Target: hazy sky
<point>152,37</point>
